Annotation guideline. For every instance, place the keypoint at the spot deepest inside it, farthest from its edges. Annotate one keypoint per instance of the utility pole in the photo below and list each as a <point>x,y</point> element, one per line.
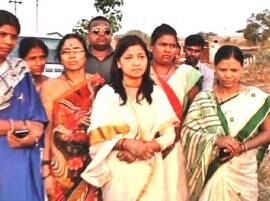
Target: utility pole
<point>15,4</point>
<point>36,15</point>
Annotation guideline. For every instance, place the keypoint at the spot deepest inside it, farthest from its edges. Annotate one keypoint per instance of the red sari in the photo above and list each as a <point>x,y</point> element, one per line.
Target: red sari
<point>69,149</point>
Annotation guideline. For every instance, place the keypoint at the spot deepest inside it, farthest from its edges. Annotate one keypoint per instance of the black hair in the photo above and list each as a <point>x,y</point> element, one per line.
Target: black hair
<point>98,18</point>
<point>228,51</point>
<point>69,36</point>
<point>194,40</point>
<point>163,29</point>
<point>7,18</point>
<point>26,44</point>
<point>146,87</point>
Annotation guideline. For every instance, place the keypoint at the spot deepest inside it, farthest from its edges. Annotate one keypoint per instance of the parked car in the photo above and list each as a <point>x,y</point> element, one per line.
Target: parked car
<point>53,68</point>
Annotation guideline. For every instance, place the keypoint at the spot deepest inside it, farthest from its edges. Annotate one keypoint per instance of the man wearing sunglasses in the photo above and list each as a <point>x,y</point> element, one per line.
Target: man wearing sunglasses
<point>194,45</point>
<point>101,52</point>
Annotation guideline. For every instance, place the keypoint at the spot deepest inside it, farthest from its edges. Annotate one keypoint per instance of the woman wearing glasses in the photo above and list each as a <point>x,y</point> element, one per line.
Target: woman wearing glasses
<point>68,100</point>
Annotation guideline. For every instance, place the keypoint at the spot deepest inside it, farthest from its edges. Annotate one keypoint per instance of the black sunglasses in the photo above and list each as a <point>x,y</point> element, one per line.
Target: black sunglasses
<point>98,30</point>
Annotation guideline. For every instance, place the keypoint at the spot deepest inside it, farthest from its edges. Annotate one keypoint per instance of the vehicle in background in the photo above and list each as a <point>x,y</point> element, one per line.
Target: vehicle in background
<point>53,68</point>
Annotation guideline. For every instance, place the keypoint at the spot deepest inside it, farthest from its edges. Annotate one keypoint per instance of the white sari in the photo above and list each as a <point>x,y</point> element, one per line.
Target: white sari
<point>181,82</point>
<point>235,180</point>
<point>120,181</point>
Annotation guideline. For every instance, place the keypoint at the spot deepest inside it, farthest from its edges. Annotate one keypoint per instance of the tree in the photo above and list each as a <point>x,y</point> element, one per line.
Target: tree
<point>258,27</point>
<point>81,28</point>
<point>110,8</point>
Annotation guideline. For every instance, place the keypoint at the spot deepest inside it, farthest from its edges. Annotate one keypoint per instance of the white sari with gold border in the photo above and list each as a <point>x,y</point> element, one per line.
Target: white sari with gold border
<point>110,122</point>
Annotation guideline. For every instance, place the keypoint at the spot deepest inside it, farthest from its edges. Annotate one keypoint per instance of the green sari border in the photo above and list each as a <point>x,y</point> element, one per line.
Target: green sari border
<point>255,121</point>
<point>249,128</point>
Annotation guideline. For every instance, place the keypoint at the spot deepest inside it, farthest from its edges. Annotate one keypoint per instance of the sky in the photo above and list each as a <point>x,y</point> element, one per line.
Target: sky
<point>223,17</point>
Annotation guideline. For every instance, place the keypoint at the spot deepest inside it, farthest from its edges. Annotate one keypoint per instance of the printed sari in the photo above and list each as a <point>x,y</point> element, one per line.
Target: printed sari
<point>20,177</point>
<point>236,179</point>
<point>70,141</point>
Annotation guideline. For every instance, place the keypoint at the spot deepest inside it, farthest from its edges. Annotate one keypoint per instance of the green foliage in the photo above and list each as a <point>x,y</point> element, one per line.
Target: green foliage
<point>110,9</point>
<point>258,27</point>
<point>81,28</point>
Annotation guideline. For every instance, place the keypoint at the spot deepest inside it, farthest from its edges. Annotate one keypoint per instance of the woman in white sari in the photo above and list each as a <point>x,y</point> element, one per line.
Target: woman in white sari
<point>131,123</point>
<point>225,134</point>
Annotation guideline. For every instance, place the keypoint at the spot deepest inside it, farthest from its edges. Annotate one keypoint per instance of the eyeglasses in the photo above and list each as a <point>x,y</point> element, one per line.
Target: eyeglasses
<point>75,52</point>
<point>98,30</point>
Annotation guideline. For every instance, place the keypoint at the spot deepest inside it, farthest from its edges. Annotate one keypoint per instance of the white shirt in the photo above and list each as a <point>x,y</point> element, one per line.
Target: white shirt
<point>208,76</point>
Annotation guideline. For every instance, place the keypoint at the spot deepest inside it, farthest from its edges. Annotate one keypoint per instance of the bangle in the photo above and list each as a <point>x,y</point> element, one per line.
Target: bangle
<point>12,125</point>
<point>44,177</point>
<point>246,147</point>
<point>45,162</point>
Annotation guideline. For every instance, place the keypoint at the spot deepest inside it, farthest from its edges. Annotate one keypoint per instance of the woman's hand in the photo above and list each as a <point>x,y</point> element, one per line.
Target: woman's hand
<point>229,144</point>
<point>35,131</point>
<point>16,142</point>
<point>139,148</point>
<point>126,156</point>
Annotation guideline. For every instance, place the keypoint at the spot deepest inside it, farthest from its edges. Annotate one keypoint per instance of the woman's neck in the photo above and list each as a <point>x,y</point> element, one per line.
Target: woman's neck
<point>163,70</point>
<point>132,83</point>
<point>75,76</point>
<point>1,61</point>
<point>224,93</point>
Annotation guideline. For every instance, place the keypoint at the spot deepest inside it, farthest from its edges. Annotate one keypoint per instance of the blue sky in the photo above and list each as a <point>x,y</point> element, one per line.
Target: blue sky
<point>223,17</point>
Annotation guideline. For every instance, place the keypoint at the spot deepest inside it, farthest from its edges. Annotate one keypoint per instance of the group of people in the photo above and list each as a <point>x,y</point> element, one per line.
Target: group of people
<point>129,124</point>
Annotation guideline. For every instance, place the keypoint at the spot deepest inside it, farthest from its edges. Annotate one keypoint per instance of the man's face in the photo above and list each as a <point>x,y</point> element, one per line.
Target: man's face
<point>193,54</point>
<point>100,35</point>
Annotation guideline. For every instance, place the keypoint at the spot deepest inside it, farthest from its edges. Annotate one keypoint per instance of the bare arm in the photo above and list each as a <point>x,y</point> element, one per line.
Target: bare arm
<point>47,100</point>
<point>263,136</point>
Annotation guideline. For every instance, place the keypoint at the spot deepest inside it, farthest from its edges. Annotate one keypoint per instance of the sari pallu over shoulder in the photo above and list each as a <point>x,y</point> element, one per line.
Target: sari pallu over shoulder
<point>70,141</point>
